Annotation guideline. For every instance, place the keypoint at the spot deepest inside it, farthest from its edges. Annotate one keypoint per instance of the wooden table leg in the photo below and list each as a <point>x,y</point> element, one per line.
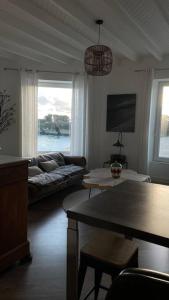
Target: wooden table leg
<point>90,190</point>
<point>72,259</point>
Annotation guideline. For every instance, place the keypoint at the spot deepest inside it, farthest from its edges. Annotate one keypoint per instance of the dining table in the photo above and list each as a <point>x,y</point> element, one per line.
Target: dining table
<point>136,209</point>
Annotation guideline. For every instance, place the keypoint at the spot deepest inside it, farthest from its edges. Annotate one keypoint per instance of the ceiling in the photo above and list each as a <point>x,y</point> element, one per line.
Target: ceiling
<point>57,32</point>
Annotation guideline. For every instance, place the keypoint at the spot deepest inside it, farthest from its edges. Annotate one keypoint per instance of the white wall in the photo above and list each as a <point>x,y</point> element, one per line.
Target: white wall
<point>124,79</point>
<point>10,80</point>
<point>9,139</point>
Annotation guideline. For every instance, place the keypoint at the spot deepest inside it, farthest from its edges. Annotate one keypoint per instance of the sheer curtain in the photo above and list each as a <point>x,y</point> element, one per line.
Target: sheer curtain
<point>79,124</point>
<point>28,132</point>
<point>143,147</point>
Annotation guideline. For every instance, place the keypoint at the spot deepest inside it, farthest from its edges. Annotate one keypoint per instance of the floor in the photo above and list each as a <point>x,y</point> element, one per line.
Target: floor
<point>44,278</point>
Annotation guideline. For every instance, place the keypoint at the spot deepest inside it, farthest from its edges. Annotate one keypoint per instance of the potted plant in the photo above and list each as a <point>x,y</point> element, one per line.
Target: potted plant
<point>7,111</point>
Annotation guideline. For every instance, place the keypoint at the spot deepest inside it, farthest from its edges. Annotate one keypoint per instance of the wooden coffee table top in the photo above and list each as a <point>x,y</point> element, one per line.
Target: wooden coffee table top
<point>101,178</point>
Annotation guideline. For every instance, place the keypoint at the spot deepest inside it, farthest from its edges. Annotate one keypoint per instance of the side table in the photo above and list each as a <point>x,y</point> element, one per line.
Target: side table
<point>101,178</point>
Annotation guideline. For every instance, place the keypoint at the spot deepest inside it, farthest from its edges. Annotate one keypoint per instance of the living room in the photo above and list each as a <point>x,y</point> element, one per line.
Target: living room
<point>46,41</point>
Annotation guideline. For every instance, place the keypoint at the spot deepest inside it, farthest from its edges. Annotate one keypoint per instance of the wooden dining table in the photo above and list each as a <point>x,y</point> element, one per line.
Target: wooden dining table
<point>136,209</point>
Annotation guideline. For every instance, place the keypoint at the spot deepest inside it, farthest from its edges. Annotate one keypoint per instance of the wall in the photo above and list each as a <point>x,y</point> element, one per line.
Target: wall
<point>124,79</point>
<point>10,80</point>
<point>9,139</point>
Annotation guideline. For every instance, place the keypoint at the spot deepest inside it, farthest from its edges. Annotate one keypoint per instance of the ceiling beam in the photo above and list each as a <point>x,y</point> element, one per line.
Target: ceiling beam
<point>15,49</point>
<point>79,18</point>
<point>5,54</point>
<point>40,36</point>
<point>163,7</point>
<point>23,39</point>
<point>151,46</point>
<point>25,52</point>
<point>46,22</point>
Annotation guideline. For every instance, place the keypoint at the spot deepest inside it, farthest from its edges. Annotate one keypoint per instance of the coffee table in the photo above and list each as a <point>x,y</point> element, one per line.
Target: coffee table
<point>101,178</point>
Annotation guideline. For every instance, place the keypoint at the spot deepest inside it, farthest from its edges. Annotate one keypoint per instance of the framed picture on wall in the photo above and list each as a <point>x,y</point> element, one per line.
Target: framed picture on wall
<point>121,109</point>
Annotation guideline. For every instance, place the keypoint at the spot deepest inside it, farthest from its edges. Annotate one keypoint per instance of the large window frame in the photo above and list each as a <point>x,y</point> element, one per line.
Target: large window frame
<point>157,132</point>
<point>54,84</point>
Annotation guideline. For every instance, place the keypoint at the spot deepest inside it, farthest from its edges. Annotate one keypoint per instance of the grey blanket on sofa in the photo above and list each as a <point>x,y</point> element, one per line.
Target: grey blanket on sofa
<point>56,176</point>
<point>68,170</point>
<point>45,178</point>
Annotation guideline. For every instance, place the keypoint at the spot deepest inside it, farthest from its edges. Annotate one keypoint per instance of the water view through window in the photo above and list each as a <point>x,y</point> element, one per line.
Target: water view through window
<point>54,118</point>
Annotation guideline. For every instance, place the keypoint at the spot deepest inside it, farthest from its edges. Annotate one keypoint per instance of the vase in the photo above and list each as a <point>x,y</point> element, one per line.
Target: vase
<point>116,169</point>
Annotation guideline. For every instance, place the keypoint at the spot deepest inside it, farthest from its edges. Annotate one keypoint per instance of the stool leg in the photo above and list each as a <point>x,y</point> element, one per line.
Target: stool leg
<point>135,258</point>
<point>134,261</point>
<point>90,190</point>
<point>81,275</point>
<point>98,277</point>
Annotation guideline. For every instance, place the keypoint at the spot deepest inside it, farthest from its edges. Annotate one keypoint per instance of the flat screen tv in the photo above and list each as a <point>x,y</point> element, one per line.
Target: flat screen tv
<point>121,113</point>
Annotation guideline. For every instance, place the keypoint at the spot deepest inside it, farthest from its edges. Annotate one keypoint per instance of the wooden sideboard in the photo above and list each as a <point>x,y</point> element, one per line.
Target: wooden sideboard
<point>14,245</point>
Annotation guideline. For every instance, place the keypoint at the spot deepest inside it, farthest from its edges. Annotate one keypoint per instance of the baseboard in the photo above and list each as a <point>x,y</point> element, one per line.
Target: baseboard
<point>15,254</point>
<point>160,180</point>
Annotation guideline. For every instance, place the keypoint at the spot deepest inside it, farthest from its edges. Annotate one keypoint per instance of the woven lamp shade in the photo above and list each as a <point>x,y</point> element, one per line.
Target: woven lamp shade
<point>98,60</point>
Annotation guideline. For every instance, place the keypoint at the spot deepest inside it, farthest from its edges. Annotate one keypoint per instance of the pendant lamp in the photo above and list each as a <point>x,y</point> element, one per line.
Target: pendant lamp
<point>98,58</point>
<point>119,143</point>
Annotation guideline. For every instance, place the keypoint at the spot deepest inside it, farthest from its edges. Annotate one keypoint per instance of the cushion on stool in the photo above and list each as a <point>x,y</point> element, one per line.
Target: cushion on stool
<point>110,248</point>
<point>106,253</point>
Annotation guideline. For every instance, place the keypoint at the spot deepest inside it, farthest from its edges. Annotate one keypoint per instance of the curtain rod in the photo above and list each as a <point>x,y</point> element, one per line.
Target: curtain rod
<point>40,71</point>
<point>46,71</point>
<point>11,69</point>
<point>75,73</point>
<point>156,69</point>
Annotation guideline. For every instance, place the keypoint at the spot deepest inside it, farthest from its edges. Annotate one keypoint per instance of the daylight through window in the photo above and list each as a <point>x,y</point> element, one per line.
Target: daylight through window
<point>162,123</point>
<point>54,115</point>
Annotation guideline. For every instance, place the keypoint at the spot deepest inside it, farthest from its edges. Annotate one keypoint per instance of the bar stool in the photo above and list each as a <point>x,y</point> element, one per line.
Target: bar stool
<point>106,253</point>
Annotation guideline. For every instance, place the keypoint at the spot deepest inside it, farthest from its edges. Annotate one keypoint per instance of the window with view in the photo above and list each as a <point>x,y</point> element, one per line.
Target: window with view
<point>54,115</point>
<point>162,123</point>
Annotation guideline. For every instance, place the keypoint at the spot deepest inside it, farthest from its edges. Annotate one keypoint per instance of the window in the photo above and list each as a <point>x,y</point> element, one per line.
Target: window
<point>54,115</point>
<point>162,123</point>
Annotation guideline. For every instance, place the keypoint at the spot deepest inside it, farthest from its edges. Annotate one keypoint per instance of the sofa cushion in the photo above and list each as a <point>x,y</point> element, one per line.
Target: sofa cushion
<point>34,170</point>
<point>69,170</point>
<point>58,157</point>
<point>46,179</point>
<point>49,165</point>
<point>33,162</point>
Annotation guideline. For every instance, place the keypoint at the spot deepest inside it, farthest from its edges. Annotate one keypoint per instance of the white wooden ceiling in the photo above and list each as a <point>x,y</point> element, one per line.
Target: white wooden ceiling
<point>58,31</point>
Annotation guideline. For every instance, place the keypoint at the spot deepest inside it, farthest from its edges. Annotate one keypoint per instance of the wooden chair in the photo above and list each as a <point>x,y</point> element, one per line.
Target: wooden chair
<point>106,253</point>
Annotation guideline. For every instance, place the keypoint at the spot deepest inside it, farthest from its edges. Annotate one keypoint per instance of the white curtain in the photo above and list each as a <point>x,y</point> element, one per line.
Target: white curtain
<point>143,146</point>
<point>79,122</point>
<point>28,134</point>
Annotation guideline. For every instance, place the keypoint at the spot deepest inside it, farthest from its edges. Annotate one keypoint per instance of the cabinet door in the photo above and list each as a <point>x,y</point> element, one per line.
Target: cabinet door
<point>13,216</point>
<point>13,213</point>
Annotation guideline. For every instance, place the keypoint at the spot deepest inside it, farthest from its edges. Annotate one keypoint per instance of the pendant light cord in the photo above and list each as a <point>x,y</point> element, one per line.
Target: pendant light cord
<point>99,36</point>
<point>99,22</point>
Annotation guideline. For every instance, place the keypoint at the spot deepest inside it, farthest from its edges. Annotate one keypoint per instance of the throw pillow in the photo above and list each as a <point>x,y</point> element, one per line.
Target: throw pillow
<point>49,165</point>
<point>34,170</point>
<point>59,158</point>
